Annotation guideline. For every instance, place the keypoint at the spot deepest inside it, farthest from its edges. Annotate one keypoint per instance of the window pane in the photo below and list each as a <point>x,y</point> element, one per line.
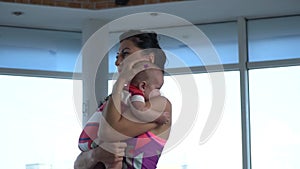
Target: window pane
<point>274,39</point>
<point>173,49</point>
<point>275,129</point>
<point>178,53</point>
<point>112,54</point>
<point>39,49</point>
<point>224,148</point>
<point>39,124</point>
<point>223,38</point>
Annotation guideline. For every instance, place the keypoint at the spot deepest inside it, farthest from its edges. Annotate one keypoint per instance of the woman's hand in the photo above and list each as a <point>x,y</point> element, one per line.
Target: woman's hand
<point>116,148</point>
<point>107,153</point>
<point>128,68</point>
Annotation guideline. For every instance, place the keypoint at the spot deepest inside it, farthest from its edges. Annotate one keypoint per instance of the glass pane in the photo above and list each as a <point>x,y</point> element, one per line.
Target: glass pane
<point>178,53</point>
<point>189,154</point>
<point>39,49</point>
<point>275,129</point>
<point>112,58</point>
<point>223,38</point>
<point>274,39</point>
<point>173,49</point>
<point>39,124</point>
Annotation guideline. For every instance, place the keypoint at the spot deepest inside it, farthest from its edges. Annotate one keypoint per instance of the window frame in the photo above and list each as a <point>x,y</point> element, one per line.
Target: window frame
<point>243,66</point>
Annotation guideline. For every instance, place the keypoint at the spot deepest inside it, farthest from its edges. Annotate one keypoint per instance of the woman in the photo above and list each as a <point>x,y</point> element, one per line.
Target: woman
<point>131,43</point>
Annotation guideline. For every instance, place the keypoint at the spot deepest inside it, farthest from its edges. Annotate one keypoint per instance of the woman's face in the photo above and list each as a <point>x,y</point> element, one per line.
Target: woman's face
<point>127,48</point>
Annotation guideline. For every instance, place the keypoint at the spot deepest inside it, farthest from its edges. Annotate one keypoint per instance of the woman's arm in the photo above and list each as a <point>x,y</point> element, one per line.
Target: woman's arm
<point>115,126</point>
<point>85,161</point>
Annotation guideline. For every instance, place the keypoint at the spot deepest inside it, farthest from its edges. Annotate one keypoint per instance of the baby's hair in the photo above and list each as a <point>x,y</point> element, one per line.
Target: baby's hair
<point>146,73</point>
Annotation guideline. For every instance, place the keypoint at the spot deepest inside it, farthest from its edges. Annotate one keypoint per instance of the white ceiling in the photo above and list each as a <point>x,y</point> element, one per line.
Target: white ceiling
<point>197,11</point>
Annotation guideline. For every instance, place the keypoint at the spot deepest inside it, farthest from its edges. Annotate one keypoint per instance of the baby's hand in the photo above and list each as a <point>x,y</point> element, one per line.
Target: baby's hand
<point>164,118</point>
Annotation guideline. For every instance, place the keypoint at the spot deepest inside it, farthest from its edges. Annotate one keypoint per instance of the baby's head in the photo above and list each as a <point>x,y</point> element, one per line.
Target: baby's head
<point>149,80</point>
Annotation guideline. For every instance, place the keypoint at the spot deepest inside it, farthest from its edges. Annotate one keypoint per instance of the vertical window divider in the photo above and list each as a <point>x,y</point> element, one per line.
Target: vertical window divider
<point>244,84</point>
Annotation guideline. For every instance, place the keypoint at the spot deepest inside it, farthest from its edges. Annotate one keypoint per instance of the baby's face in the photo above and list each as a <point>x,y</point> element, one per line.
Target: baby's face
<point>154,84</point>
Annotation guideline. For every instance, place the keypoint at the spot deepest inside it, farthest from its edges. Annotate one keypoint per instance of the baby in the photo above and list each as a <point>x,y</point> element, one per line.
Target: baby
<point>145,85</point>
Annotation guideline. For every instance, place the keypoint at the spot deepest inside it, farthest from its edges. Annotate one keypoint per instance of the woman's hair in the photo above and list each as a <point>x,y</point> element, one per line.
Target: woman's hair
<point>149,42</point>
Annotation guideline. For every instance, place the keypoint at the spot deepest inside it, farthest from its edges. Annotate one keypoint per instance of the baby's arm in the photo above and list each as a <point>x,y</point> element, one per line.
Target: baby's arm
<point>138,103</point>
<point>140,110</point>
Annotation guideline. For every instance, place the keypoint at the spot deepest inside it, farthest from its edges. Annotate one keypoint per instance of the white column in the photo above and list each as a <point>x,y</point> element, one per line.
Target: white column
<point>95,40</point>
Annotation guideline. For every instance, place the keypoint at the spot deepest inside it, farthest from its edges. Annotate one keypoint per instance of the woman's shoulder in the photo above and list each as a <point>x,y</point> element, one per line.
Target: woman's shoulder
<point>160,103</point>
<point>160,100</point>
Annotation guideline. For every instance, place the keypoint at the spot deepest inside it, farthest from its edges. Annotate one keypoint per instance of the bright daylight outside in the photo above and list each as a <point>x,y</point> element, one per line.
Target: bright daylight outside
<point>39,125</point>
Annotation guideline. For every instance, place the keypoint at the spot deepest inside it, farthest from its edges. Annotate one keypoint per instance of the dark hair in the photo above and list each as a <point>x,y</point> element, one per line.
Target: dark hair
<point>146,40</point>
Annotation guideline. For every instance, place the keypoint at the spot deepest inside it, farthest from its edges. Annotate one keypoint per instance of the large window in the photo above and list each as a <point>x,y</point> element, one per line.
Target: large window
<point>189,153</point>
<point>275,129</point>
<point>39,124</point>
<point>213,154</point>
<point>227,138</point>
<point>274,92</point>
